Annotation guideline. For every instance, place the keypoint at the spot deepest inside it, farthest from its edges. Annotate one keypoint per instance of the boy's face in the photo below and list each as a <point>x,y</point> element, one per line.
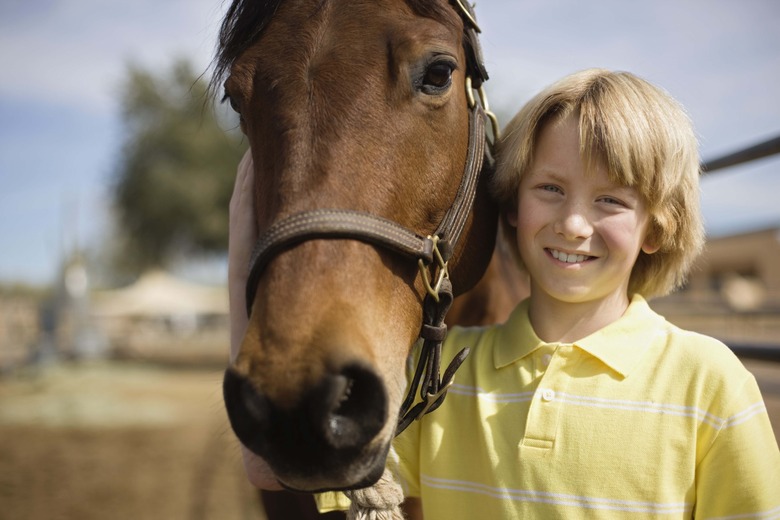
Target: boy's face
<point>578,233</point>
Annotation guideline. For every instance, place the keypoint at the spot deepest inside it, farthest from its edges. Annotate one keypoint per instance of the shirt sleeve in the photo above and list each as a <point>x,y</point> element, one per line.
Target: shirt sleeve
<point>739,475</point>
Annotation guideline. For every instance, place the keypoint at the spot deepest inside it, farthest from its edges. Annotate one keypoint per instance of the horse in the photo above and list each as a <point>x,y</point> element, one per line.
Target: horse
<point>366,120</point>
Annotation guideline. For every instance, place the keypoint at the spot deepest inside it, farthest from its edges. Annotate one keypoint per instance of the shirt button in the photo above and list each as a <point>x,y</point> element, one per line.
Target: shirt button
<point>548,395</point>
<point>546,359</point>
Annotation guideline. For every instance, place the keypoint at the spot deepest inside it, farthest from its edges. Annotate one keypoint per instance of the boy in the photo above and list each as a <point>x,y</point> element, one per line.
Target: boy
<point>586,403</point>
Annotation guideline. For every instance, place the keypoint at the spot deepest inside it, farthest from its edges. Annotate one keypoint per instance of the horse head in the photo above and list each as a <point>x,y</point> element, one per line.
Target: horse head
<point>359,116</point>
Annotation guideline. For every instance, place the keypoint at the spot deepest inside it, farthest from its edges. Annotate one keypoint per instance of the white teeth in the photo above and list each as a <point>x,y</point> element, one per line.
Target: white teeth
<point>568,258</point>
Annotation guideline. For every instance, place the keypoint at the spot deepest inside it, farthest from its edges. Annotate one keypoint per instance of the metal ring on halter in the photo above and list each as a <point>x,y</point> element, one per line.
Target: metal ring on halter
<point>440,267</point>
<point>489,113</point>
<point>483,99</point>
<point>470,93</point>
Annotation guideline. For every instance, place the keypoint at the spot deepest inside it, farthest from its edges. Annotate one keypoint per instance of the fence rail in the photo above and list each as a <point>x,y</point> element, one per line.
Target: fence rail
<point>756,352</point>
<point>751,153</point>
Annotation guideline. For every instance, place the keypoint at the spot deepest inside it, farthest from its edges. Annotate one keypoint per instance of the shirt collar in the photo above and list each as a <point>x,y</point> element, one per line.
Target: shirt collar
<point>515,338</point>
<point>620,345</point>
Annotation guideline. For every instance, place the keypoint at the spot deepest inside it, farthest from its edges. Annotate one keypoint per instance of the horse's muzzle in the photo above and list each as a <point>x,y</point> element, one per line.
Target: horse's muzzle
<point>326,436</point>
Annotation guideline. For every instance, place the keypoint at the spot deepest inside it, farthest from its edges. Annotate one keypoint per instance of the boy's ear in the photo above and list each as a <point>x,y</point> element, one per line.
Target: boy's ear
<point>649,247</point>
<point>651,243</point>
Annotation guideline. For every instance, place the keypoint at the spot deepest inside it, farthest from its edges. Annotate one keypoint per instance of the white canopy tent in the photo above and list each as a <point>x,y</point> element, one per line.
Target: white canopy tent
<point>159,294</point>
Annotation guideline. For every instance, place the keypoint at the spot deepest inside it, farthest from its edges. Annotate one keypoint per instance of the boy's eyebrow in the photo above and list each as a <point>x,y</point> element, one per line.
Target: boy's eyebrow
<point>547,174</point>
<point>622,188</point>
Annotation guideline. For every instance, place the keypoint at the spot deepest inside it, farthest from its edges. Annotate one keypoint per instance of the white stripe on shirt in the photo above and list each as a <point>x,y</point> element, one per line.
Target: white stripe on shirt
<point>496,397</point>
<point>617,404</point>
<point>771,514</point>
<point>565,499</point>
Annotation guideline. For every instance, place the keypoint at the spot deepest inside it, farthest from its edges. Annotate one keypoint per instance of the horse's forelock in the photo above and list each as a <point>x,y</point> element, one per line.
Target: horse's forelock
<point>246,19</point>
<point>243,23</point>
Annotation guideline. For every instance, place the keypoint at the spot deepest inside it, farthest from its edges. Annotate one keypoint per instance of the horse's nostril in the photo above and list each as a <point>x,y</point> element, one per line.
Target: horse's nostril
<point>248,410</point>
<point>341,415</point>
<point>351,407</point>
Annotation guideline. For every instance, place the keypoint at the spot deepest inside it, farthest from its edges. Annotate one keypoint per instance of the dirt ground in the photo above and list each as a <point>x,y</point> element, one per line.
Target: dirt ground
<point>119,441</point>
<point>131,441</point>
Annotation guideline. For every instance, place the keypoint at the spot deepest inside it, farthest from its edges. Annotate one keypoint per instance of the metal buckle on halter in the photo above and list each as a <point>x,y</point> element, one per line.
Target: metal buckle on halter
<point>441,267</point>
<point>483,100</point>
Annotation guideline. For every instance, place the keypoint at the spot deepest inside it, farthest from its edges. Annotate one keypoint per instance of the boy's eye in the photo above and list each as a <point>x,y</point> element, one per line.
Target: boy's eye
<point>551,188</point>
<point>612,200</point>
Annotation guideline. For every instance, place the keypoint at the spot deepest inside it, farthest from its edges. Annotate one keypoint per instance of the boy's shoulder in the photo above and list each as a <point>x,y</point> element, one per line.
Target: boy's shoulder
<point>697,345</point>
<point>476,338</point>
<point>703,357</point>
<point>496,345</point>
<point>642,321</point>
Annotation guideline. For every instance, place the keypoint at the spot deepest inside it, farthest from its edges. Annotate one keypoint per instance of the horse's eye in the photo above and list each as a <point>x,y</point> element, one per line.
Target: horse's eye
<point>438,76</point>
<point>232,102</point>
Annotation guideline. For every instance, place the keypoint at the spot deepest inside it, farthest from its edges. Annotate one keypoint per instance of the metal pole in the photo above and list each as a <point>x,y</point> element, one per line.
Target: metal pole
<point>758,151</point>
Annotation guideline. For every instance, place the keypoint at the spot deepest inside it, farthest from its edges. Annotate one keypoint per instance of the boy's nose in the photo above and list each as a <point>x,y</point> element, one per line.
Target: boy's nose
<point>573,224</point>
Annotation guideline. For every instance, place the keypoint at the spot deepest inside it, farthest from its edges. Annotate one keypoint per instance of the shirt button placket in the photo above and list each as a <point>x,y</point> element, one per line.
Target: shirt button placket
<point>543,415</point>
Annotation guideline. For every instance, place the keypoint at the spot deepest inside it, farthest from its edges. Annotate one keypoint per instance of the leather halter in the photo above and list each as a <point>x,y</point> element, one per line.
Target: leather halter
<point>432,252</point>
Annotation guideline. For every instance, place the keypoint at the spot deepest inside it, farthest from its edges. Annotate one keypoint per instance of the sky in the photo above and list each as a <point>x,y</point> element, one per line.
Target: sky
<point>63,62</point>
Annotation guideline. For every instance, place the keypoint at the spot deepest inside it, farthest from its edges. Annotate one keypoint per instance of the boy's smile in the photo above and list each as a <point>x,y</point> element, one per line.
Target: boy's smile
<point>570,257</point>
<point>578,233</point>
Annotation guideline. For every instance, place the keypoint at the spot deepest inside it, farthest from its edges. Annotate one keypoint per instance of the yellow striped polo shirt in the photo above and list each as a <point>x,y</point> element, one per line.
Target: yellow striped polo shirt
<point>639,420</point>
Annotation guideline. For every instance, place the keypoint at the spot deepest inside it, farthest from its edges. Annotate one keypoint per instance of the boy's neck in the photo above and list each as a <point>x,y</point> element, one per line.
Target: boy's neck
<point>555,321</point>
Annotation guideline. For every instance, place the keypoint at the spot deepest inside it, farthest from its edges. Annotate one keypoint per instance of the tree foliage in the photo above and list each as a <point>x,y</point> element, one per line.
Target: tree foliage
<point>176,169</point>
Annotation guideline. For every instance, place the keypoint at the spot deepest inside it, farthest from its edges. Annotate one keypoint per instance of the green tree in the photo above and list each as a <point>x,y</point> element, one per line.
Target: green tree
<point>176,169</point>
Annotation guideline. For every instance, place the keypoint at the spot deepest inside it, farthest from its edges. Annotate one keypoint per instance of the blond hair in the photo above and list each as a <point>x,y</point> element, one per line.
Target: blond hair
<point>646,141</point>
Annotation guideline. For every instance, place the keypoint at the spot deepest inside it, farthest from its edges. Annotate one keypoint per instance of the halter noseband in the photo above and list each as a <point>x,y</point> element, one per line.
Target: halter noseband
<point>432,252</point>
